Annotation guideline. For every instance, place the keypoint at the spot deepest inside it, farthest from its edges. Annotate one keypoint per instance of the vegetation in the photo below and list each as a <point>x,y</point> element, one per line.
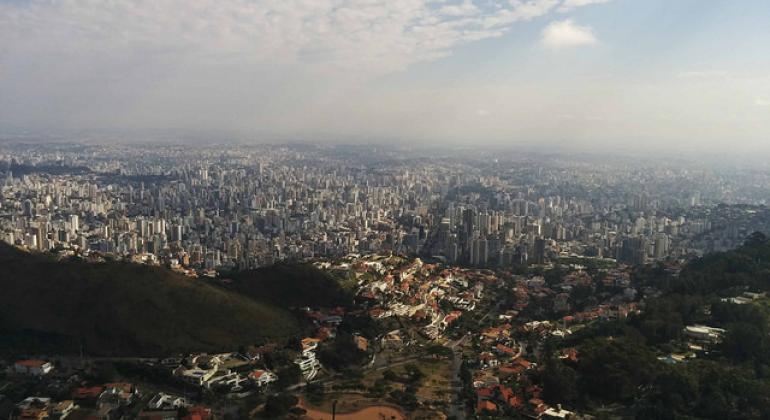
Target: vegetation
<point>341,353</point>
<point>123,309</point>
<point>292,285</point>
<point>618,361</point>
<point>278,405</point>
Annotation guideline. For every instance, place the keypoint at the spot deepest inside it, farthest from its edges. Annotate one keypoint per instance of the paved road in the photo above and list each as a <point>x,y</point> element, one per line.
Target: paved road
<point>457,409</point>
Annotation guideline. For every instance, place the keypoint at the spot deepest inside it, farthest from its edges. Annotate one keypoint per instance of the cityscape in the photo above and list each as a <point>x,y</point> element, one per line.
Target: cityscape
<point>455,283</point>
<point>384,210</point>
<point>201,208</point>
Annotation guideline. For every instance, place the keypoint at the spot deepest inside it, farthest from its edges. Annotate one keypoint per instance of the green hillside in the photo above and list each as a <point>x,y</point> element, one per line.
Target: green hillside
<point>292,285</point>
<point>619,363</point>
<point>123,309</point>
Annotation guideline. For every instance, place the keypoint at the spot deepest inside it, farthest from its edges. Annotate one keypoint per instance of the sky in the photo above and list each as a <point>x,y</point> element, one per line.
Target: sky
<point>653,75</point>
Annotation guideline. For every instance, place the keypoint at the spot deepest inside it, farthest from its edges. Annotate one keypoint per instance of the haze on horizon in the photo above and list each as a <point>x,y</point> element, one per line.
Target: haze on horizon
<point>595,74</point>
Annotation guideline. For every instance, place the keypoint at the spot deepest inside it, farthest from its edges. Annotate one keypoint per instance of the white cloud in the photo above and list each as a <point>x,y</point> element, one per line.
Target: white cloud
<point>221,63</point>
<point>762,102</point>
<point>466,8</point>
<point>573,4</point>
<point>703,74</point>
<point>565,33</point>
<point>268,66</point>
<point>367,35</point>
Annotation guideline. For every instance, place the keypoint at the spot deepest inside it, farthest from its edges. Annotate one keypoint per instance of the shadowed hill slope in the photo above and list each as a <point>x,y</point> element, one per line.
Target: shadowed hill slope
<point>292,285</point>
<point>123,309</point>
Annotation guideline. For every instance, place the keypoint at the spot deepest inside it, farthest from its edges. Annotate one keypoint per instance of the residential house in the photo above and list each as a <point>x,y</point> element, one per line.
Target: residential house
<point>557,413</point>
<point>87,395</point>
<point>32,367</point>
<point>198,413</point>
<point>63,409</point>
<point>117,395</point>
<point>162,401</point>
<point>262,377</point>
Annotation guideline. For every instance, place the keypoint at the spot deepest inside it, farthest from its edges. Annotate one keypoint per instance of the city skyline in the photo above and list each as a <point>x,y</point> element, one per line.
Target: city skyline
<point>621,75</point>
<point>269,281</point>
<point>369,210</point>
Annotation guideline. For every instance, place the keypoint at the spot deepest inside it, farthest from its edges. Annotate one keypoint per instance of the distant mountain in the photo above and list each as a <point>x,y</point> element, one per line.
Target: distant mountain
<point>117,308</point>
<point>292,285</point>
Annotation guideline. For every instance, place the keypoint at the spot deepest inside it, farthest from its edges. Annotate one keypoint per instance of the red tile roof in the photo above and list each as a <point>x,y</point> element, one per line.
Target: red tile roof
<point>87,392</point>
<point>31,363</point>
<point>516,402</point>
<point>523,363</point>
<point>486,405</point>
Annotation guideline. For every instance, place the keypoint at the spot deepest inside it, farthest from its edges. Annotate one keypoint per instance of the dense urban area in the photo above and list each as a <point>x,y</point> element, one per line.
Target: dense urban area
<point>222,282</point>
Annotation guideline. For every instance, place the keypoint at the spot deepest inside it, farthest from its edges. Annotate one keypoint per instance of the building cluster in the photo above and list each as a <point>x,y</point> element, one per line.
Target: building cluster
<point>203,208</point>
<point>231,372</point>
<point>68,395</point>
<point>490,257</point>
<point>431,296</point>
<point>509,354</point>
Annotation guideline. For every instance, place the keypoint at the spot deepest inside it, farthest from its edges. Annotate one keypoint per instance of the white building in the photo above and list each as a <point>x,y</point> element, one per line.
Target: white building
<point>704,333</point>
<point>163,401</point>
<point>262,377</point>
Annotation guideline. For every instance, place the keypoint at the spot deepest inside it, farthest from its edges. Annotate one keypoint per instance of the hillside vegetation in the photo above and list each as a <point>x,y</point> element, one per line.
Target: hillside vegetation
<point>292,285</point>
<point>123,309</point>
<point>619,360</point>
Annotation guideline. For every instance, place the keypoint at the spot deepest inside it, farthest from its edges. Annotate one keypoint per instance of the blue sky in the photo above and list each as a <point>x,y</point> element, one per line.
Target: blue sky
<point>660,75</point>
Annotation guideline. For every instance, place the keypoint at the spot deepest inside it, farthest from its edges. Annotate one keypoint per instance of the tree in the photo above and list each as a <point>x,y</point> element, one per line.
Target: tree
<point>745,342</point>
<point>279,405</point>
<point>405,399</point>
<point>341,353</point>
<point>315,392</point>
<point>613,370</point>
<point>414,373</point>
<point>288,375</point>
<point>560,382</point>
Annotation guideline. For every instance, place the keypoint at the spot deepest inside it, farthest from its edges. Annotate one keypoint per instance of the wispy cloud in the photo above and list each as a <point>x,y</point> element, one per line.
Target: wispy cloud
<point>466,8</point>
<point>566,33</point>
<point>371,36</point>
<point>573,4</point>
<point>272,66</point>
<point>703,74</point>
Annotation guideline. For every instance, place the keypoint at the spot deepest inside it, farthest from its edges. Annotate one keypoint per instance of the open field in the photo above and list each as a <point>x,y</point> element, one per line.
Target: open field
<point>353,407</point>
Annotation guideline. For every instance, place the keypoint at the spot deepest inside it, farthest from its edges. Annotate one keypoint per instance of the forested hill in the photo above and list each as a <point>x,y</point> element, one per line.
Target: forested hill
<point>627,365</point>
<point>726,272</point>
<point>117,308</point>
<point>292,285</point>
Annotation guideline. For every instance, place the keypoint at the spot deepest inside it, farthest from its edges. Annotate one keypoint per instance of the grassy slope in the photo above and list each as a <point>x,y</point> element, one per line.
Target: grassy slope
<point>126,309</point>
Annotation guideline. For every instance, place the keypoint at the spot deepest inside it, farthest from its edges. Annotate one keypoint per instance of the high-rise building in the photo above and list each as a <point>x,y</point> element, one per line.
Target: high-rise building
<point>633,250</point>
<point>28,208</point>
<point>661,246</point>
<point>483,256</point>
<point>539,254</point>
<point>177,233</point>
<point>74,223</point>
<point>469,222</point>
